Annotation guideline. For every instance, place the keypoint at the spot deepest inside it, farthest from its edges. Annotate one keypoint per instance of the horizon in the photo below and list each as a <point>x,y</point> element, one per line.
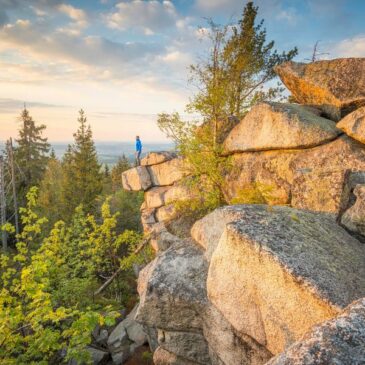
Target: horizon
<point>126,61</point>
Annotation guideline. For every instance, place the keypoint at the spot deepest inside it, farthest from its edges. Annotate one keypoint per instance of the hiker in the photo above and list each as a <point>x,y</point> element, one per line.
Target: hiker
<point>138,151</point>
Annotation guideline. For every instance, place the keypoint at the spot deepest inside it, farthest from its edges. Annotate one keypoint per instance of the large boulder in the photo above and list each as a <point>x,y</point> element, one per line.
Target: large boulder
<point>164,195</point>
<point>172,289</point>
<point>338,341</point>
<point>278,271</point>
<point>136,179</point>
<point>310,179</point>
<point>354,217</point>
<point>354,124</point>
<point>336,86</point>
<point>154,158</point>
<point>270,126</point>
<point>167,173</point>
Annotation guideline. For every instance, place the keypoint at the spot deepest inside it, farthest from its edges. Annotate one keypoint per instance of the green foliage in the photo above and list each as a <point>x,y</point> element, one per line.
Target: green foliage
<point>239,64</point>
<point>204,163</point>
<point>83,179</point>
<point>122,165</point>
<point>31,154</point>
<point>46,296</point>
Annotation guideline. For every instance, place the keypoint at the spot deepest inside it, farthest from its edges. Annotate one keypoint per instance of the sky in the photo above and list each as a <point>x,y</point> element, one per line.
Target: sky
<point>125,61</point>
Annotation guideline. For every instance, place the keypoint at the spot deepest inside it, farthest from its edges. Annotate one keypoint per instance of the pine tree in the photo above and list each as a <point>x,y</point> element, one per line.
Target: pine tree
<point>83,179</point>
<point>122,165</point>
<point>31,154</point>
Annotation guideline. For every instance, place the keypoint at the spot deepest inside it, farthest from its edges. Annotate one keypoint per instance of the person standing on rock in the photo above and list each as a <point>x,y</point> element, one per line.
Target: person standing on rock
<point>138,151</point>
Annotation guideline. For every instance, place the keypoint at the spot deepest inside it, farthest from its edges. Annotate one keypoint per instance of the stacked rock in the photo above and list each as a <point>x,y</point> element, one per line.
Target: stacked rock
<point>253,282</point>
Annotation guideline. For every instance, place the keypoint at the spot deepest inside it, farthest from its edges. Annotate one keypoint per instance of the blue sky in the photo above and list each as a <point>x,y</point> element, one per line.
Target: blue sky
<point>125,61</point>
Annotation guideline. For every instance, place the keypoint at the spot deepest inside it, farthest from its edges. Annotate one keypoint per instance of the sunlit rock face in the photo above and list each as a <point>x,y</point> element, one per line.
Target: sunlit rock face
<point>276,126</point>
<point>337,341</point>
<point>250,283</point>
<point>336,86</point>
<point>354,124</point>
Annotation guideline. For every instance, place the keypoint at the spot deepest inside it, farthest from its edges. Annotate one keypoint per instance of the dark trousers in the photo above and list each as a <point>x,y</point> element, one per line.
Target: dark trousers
<point>138,158</point>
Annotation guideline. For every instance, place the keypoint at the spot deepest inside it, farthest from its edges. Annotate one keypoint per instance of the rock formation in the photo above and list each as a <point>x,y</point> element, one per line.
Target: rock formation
<point>251,283</point>
<point>336,86</point>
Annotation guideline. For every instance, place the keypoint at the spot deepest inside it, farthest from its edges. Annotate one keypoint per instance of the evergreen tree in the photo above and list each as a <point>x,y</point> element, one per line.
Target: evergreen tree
<point>83,179</point>
<point>31,154</point>
<point>235,73</point>
<point>122,165</point>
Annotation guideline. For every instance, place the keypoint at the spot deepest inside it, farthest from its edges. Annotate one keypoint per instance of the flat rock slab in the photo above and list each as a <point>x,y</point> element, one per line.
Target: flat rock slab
<point>136,179</point>
<point>338,341</point>
<point>163,357</point>
<point>354,124</point>
<point>336,86</point>
<point>270,126</point>
<point>154,158</point>
<point>278,271</point>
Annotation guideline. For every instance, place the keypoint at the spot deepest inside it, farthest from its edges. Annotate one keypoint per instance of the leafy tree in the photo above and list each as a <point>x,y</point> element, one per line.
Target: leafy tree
<point>235,73</point>
<point>47,285</point>
<point>31,154</point>
<point>83,179</point>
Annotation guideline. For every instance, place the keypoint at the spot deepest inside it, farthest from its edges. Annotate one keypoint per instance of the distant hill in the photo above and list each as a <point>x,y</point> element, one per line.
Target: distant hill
<point>108,152</point>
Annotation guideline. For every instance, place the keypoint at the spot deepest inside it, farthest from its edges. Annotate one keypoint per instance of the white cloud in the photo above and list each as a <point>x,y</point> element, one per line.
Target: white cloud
<point>77,15</point>
<point>350,47</point>
<point>148,16</point>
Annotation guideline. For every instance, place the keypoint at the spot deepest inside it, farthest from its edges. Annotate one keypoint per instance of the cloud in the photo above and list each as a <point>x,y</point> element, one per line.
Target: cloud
<point>350,47</point>
<point>81,53</point>
<point>148,16</point>
<point>77,15</point>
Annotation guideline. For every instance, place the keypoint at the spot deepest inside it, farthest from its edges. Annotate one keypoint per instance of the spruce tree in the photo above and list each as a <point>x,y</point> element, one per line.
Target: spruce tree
<point>31,154</point>
<point>83,179</point>
<point>122,165</point>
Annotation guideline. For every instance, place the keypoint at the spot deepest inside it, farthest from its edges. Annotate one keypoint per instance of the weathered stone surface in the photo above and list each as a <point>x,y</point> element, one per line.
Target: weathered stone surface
<point>164,195</point>
<point>338,341</point>
<point>163,357</point>
<point>162,239</point>
<point>228,346</point>
<point>337,86</point>
<point>166,213</point>
<point>134,330</point>
<point>189,345</point>
<point>277,272</point>
<point>167,173</point>
<point>154,158</point>
<point>121,356</point>
<point>310,179</point>
<point>98,356</point>
<point>118,338</point>
<point>354,217</point>
<point>354,124</point>
<point>148,219</point>
<point>270,126</point>
<point>136,179</point>
<point>172,289</point>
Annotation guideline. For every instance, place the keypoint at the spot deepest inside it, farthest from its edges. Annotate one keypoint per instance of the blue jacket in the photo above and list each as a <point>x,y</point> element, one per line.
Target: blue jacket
<point>138,145</point>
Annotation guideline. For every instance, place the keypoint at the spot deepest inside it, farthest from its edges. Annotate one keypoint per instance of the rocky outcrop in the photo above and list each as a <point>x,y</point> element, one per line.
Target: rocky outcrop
<point>338,341</point>
<point>354,124</point>
<point>270,275</point>
<point>336,86</point>
<point>254,282</point>
<point>273,126</point>
<point>154,158</point>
